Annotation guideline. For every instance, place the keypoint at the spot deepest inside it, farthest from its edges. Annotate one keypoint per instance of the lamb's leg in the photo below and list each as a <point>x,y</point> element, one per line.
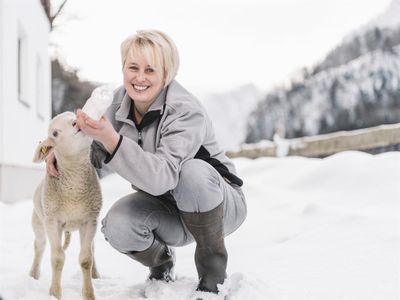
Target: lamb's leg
<point>54,233</point>
<point>87,232</point>
<point>95,272</point>
<point>40,244</point>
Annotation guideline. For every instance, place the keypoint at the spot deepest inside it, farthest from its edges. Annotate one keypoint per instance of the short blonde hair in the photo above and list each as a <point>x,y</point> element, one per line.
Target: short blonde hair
<point>158,48</point>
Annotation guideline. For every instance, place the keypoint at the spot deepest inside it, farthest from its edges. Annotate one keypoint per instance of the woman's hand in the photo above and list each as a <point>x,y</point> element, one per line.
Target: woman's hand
<point>51,165</point>
<point>102,130</point>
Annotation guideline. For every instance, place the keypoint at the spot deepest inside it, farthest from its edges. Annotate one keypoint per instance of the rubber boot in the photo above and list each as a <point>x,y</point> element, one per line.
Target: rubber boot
<point>159,258</point>
<point>211,256</point>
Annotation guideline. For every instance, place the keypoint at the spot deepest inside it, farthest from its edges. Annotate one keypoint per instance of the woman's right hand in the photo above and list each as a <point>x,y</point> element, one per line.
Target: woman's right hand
<point>51,165</point>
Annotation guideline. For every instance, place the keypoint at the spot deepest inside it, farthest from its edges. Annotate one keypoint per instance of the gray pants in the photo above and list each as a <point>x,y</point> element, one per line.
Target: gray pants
<point>133,221</point>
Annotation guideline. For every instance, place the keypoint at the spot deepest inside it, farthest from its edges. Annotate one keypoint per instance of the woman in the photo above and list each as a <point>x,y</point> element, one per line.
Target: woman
<point>157,136</point>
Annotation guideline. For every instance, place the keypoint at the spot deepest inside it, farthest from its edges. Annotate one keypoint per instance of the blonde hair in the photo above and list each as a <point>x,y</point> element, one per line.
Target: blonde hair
<point>158,48</point>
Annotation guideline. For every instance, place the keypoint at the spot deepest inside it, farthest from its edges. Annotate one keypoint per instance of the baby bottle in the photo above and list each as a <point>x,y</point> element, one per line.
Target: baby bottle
<point>100,99</point>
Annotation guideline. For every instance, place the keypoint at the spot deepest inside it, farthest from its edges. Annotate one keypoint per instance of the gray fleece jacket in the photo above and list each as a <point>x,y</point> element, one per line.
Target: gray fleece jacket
<point>149,155</point>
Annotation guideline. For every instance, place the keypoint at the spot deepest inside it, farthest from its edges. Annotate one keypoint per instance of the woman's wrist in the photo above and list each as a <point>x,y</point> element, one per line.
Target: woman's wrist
<point>111,142</point>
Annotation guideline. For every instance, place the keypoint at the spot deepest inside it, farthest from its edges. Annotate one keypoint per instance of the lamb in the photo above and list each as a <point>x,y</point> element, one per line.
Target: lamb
<point>69,202</point>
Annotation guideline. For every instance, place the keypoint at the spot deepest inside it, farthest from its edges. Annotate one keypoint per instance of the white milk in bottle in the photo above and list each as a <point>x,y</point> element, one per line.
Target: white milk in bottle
<point>101,98</point>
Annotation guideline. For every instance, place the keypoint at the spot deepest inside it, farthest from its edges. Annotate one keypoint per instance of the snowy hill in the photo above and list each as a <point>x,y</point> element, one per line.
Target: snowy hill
<point>381,33</point>
<point>229,112</point>
<point>316,229</point>
<point>362,93</point>
<point>355,86</point>
<point>390,18</point>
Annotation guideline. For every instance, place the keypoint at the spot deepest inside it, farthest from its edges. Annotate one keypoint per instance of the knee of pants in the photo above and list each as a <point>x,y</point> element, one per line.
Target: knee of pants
<point>199,187</point>
<point>127,229</point>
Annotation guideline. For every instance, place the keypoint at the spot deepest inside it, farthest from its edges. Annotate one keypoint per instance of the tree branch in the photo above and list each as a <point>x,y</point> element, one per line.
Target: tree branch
<point>59,10</point>
<point>47,8</point>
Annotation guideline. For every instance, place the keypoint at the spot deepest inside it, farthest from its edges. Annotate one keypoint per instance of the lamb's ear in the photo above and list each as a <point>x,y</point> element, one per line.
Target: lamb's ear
<point>43,150</point>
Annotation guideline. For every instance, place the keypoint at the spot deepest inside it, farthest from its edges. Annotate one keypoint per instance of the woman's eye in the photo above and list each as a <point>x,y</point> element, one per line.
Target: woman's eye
<point>55,133</point>
<point>133,68</point>
<point>149,70</point>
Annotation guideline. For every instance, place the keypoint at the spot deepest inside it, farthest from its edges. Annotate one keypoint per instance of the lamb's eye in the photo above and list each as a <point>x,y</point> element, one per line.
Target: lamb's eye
<point>55,133</point>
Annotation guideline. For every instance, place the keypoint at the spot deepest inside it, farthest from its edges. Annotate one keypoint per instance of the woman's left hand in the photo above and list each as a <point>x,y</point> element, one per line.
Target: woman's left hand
<point>102,130</point>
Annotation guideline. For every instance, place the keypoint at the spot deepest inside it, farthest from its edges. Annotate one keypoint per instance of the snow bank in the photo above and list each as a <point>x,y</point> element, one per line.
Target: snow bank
<point>316,229</point>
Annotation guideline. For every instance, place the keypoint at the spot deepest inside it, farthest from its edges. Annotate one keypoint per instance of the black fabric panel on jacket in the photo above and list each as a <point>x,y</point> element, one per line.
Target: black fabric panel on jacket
<point>203,154</point>
<point>148,118</point>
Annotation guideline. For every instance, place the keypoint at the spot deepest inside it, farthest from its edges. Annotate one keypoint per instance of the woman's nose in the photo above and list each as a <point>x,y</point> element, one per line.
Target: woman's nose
<point>140,76</point>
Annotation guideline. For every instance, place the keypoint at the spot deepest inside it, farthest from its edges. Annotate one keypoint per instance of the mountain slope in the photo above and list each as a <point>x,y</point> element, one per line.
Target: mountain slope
<point>229,112</point>
<point>355,86</point>
<point>381,33</point>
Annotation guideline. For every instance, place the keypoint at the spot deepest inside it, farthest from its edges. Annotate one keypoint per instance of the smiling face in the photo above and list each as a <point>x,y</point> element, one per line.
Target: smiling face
<point>142,81</point>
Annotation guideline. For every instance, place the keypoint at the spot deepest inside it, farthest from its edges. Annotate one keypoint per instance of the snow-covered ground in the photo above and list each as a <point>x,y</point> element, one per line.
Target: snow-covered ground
<point>317,229</point>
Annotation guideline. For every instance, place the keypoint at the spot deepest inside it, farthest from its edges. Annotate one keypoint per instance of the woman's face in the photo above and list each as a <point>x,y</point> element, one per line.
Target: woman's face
<point>142,82</point>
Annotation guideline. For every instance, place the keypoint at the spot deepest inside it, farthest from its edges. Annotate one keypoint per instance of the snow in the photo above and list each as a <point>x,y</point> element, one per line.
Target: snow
<point>365,84</point>
<point>366,74</point>
<point>388,19</point>
<point>316,229</point>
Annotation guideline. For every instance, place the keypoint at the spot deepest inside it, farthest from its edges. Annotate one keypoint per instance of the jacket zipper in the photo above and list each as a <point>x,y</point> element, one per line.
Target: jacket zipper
<point>140,140</point>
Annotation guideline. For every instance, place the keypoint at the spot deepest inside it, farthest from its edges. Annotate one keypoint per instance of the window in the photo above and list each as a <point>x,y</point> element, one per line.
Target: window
<point>22,68</point>
<point>40,101</point>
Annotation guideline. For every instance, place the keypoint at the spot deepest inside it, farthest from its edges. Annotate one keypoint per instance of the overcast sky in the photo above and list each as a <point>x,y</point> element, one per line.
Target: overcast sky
<point>222,43</point>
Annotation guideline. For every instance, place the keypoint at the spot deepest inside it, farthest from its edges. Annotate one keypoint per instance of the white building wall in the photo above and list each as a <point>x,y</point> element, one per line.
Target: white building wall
<point>1,86</point>
<point>23,123</point>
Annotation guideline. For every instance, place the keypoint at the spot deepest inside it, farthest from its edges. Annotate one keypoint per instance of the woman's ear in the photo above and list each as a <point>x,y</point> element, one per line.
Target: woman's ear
<point>43,150</point>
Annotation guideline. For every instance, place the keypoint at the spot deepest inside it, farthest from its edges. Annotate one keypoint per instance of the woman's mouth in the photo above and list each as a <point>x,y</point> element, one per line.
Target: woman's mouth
<point>140,88</point>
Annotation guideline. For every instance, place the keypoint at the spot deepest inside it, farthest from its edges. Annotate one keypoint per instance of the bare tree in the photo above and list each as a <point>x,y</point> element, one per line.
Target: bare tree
<point>68,90</point>
<point>51,12</point>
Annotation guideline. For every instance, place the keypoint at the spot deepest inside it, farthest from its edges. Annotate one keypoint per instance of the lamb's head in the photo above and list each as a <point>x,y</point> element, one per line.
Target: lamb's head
<point>65,136</point>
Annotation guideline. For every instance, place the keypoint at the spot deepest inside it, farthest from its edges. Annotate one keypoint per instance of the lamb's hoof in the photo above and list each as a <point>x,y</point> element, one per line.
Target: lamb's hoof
<point>35,274</point>
<point>88,295</point>
<point>56,292</point>
<point>95,274</point>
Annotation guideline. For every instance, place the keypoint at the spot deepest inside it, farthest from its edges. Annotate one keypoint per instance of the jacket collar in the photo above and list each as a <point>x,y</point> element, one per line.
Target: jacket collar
<point>123,111</point>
